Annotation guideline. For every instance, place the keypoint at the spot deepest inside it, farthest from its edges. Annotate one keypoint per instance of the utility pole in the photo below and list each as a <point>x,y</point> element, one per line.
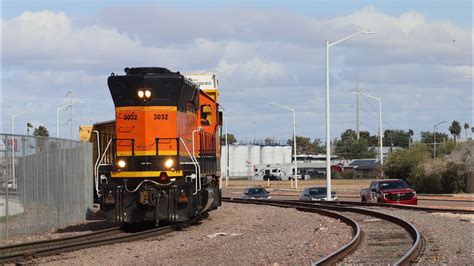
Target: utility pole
<point>380,125</point>
<point>357,108</point>
<point>434,137</point>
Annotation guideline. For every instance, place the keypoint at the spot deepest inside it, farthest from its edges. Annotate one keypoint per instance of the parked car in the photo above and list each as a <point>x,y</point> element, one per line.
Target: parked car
<point>297,176</point>
<point>256,193</point>
<point>271,177</point>
<point>391,191</point>
<point>316,194</point>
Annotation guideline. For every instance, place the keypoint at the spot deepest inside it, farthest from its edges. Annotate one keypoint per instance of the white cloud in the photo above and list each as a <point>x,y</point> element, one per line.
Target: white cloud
<point>264,54</point>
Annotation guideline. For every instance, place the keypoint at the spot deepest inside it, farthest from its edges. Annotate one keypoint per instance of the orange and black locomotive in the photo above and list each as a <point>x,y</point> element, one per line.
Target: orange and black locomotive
<point>160,163</point>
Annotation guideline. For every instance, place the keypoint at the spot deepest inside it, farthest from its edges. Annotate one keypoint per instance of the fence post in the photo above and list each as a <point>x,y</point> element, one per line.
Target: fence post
<point>23,177</point>
<point>48,222</point>
<point>38,140</point>
<point>6,186</point>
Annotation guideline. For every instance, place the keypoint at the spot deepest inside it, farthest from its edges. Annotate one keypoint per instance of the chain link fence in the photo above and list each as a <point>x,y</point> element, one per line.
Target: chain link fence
<point>45,183</point>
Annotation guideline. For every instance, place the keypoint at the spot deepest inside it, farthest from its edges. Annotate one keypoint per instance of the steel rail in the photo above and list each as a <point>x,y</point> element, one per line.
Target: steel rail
<point>336,256</point>
<point>395,206</point>
<point>87,243</point>
<point>22,247</point>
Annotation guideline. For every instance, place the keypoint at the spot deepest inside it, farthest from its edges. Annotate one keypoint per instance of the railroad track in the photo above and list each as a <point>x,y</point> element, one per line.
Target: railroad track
<point>30,250</point>
<point>377,237</point>
<point>394,206</point>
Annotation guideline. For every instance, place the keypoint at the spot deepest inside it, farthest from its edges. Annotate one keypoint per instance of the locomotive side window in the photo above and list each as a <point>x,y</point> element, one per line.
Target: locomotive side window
<point>206,115</point>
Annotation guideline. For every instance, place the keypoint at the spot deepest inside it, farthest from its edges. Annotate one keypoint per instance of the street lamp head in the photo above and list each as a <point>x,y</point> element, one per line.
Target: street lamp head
<point>282,106</point>
<point>369,32</point>
<point>437,124</point>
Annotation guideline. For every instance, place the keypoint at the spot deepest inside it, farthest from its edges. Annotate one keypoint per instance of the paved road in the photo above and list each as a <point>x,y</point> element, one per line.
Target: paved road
<point>236,192</point>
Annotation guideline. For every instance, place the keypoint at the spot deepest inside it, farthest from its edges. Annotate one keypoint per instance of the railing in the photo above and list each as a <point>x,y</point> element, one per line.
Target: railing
<point>196,166</point>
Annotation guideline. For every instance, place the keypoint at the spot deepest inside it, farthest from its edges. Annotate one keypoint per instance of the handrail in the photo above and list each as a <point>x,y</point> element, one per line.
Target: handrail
<point>99,165</point>
<point>196,166</point>
<point>194,152</point>
<point>96,177</point>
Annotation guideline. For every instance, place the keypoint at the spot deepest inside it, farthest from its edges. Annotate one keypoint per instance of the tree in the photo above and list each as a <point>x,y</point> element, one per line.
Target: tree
<point>455,129</point>
<point>466,127</point>
<point>427,137</point>
<point>371,139</point>
<point>349,148</point>
<point>41,131</point>
<point>230,139</point>
<point>305,146</point>
<point>398,138</point>
<point>402,164</point>
<point>318,146</point>
<point>270,141</point>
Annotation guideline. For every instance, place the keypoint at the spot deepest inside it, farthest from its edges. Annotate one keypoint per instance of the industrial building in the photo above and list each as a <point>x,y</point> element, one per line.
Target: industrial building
<point>244,159</point>
<point>254,161</point>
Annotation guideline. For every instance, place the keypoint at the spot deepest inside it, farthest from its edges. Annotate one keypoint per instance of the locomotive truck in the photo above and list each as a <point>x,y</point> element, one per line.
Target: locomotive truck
<point>158,160</point>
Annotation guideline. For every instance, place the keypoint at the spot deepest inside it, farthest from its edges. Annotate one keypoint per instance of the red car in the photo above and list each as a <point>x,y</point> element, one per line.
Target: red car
<point>390,191</point>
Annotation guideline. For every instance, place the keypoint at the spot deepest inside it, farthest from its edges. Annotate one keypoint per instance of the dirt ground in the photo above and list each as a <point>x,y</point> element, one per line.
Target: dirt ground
<point>235,234</point>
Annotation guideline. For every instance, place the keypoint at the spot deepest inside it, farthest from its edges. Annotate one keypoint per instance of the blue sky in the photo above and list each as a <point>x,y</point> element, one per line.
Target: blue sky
<point>267,51</point>
<point>458,11</point>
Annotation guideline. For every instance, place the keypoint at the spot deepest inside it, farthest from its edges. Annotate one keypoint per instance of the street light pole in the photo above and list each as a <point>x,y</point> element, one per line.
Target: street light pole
<point>434,137</point>
<point>13,145</point>
<point>328,124</point>
<point>294,140</point>
<point>380,124</point>
<point>13,119</point>
<point>57,117</point>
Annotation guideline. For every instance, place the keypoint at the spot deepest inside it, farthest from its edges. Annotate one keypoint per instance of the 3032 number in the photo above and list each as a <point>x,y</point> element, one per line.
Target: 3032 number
<point>130,117</point>
<point>160,116</point>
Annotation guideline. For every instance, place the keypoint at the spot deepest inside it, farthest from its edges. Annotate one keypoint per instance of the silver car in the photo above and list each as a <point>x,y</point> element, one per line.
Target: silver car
<point>316,194</point>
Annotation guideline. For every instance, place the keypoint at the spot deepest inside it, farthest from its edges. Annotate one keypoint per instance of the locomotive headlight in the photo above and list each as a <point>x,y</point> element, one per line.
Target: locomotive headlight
<point>121,163</point>
<point>169,163</point>
<point>141,93</point>
<point>147,93</point>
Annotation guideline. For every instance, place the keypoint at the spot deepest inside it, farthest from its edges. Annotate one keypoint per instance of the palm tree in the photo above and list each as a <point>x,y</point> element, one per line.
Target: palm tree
<point>466,127</point>
<point>41,131</point>
<point>455,129</point>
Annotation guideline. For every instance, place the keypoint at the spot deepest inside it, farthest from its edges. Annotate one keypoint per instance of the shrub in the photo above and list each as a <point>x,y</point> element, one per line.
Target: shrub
<point>402,163</point>
<point>454,178</point>
<point>426,180</point>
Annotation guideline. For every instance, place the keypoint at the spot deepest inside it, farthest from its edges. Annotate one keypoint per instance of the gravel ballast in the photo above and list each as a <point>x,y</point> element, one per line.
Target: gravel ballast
<point>448,238</point>
<point>235,234</point>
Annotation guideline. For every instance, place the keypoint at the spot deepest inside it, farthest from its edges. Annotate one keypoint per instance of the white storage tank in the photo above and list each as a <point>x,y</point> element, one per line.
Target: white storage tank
<point>255,154</point>
<point>240,155</point>
<point>266,155</point>
<point>287,154</point>
<point>278,155</point>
